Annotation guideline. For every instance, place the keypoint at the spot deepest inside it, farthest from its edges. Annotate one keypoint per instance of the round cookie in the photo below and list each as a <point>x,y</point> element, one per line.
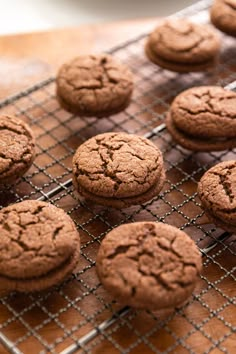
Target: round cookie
<point>118,170</point>
<point>223,16</point>
<point>39,246</point>
<point>182,46</point>
<point>217,192</point>
<point>148,265</point>
<point>94,85</point>
<point>203,119</point>
<point>17,149</point>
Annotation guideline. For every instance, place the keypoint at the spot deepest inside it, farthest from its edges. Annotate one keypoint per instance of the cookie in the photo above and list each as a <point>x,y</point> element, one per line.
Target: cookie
<point>17,149</point>
<point>203,119</point>
<point>223,16</point>
<point>94,85</point>
<point>217,192</point>
<point>148,265</point>
<point>182,46</point>
<point>39,246</point>
<point>118,170</point>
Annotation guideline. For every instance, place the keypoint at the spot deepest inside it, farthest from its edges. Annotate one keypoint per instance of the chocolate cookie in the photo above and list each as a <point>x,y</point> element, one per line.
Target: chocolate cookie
<point>148,265</point>
<point>204,119</point>
<point>118,170</point>
<point>39,246</point>
<point>94,86</point>
<point>182,46</point>
<point>17,149</point>
<point>223,16</point>
<point>217,191</point>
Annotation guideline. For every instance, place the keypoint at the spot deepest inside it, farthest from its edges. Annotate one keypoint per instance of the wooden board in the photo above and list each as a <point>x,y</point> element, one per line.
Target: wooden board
<point>28,58</point>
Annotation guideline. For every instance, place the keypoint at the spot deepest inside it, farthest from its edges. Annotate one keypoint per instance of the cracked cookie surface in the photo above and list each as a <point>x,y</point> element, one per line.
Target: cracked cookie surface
<point>148,265</point>
<point>94,85</point>
<point>204,118</point>
<point>17,149</point>
<point>183,46</point>
<point>116,168</point>
<point>39,246</point>
<point>217,192</point>
<point>223,16</point>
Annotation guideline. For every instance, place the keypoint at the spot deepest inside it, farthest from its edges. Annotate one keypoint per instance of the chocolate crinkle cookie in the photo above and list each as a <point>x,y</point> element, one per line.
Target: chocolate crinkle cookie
<point>223,16</point>
<point>39,246</point>
<point>17,149</point>
<point>203,119</point>
<point>94,85</point>
<point>182,46</point>
<point>118,170</point>
<point>217,192</point>
<point>148,265</point>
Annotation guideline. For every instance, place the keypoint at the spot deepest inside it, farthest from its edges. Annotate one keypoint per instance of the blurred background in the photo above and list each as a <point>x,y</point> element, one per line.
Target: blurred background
<point>35,15</point>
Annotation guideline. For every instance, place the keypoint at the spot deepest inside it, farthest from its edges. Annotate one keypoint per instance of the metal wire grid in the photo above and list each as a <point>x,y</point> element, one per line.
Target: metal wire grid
<point>79,314</point>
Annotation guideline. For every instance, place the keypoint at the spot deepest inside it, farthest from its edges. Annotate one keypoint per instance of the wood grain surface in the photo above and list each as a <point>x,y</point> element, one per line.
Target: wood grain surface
<point>28,58</point>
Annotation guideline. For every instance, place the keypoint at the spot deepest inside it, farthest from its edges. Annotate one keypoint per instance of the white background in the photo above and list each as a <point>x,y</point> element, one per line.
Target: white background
<point>30,15</point>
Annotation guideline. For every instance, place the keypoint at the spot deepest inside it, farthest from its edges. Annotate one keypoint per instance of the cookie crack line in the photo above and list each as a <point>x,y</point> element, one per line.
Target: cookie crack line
<point>27,248</point>
<point>96,175</point>
<point>14,162</point>
<point>169,286</point>
<point>226,184</point>
<point>190,48</point>
<point>157,278</point>
<point>23,227</point>
<point>103,61</point>
<point>165,284</point>
<point>118,169</point>
<point>108,173</point>
<point>83,87</point>
<point>105,163</point>
<point>56,232</point>
<point>123,249</point>
<point>22,157</point>
<point>210,110</point>
<point>180,65</point>
<point>101,81</point>
<point>11,129</point>
<point>119,250</point>
<point>38,209</point>
<point>23,245</point>
<point>227,187</point>
<point>40,246</point>
<point>136,271</point>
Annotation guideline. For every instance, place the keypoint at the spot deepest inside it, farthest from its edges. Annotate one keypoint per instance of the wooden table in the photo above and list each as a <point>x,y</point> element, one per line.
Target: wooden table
<point>28,58</point>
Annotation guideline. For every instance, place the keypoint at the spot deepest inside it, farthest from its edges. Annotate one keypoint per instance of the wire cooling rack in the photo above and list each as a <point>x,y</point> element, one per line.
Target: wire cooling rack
<point>79,315</point>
